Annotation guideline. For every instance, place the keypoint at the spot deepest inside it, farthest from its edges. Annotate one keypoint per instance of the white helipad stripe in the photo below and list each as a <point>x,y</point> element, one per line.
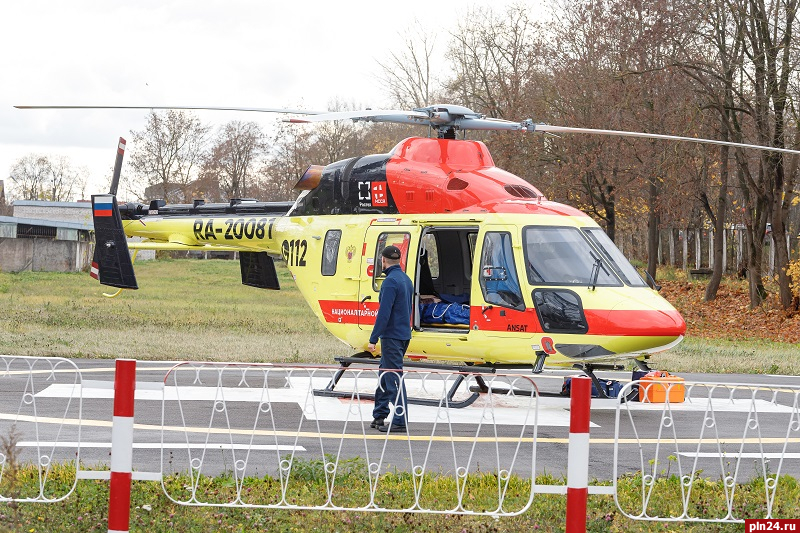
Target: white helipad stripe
<point>95,384</point>
<point>172,393</point>
<point>507,410</point>
<point>166,445</point>
<point>699,405</point>
<point>744,455</point>
<point>156,476</point>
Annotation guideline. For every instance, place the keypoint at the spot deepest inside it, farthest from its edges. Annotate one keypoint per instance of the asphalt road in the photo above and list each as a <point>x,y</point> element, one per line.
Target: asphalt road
<point>255,419</point>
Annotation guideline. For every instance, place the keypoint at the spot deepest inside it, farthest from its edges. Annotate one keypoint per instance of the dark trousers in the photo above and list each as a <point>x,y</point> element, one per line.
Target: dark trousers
<point>391,387</point>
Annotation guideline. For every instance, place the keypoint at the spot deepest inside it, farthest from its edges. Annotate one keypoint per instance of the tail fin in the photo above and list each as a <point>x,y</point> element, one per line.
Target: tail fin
<point>111,264</point>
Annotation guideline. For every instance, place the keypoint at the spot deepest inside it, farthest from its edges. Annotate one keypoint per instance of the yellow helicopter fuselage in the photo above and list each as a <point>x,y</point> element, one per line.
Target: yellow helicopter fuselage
<point>334,261</point>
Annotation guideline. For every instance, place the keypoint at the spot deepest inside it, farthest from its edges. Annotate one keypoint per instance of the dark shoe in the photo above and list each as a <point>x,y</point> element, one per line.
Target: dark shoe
<point>392,429</point>
<point>376,423</point>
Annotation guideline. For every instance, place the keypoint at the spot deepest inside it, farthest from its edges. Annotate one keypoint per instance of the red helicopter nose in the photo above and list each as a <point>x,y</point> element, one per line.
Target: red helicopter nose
<point>644,319</point>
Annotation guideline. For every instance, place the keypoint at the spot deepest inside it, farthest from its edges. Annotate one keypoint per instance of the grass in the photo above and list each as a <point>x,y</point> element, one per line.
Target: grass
<point>85,509</point>
<point>184,310</point>
<point>728,357</point>
<point>198,310</point>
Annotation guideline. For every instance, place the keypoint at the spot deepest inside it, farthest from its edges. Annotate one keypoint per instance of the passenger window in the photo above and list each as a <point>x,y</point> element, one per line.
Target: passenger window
<point>401,240</point>
<point>499,280</point>
<point>330,252</point>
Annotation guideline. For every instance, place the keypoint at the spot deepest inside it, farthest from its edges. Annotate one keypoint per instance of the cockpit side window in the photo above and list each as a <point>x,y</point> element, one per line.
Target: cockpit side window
<point>499,280</point>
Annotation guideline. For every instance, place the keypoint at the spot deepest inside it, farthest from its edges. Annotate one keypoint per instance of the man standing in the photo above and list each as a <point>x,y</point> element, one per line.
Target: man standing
<point>393,329</point>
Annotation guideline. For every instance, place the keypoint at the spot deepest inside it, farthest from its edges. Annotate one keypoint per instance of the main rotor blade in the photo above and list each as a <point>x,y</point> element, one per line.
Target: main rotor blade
<point>456,119</point>
<point>378,115</point>
<point>489,124</point>
<point>617,133</point>
<point>190,108</point>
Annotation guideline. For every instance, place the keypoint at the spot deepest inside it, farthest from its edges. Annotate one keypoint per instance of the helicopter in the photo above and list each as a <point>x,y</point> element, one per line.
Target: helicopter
<point>503,276</point>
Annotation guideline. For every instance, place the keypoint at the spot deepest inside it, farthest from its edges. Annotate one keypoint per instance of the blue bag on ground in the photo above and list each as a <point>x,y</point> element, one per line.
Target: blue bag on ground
<point>611,387</point>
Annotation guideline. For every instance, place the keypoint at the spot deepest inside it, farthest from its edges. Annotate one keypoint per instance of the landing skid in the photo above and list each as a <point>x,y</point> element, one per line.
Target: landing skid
<point>477,371</point>
<point>587,368</point>
<point>366,358</point>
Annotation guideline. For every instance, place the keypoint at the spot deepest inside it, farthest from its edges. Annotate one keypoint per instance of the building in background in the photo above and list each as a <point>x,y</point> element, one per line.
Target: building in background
<point>49,237</point>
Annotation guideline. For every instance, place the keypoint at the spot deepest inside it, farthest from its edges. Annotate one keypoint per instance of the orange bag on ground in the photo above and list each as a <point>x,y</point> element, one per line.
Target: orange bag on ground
<point>656,385</point>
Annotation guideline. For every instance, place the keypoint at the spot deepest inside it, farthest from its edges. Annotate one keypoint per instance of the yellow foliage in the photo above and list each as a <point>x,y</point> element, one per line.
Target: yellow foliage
<point>794,273</point>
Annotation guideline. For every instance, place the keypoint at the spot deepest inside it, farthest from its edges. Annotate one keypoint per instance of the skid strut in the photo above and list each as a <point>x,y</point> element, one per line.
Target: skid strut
<point>366,358</point>
<point>589,369</point>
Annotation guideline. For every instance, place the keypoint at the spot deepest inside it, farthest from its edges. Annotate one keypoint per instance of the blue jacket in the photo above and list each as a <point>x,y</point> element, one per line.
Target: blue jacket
<point>394,313</point>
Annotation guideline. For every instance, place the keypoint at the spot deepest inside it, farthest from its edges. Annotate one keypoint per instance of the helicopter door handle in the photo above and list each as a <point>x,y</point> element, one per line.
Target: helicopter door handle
<point>365,298</point>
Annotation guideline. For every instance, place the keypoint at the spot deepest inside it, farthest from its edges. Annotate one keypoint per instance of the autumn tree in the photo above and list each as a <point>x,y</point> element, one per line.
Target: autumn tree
<point>753,59</point>
<point>294,147</point>
<point>340,139</point>
<point>289,156</point>
<point>711,57</point>
<point>231,163</point>
<point>167,154</point>
<point>583,91</point>
<point>771,49</point>
<point>495,64</point>
<point>53,178</point>
<point>408,74</point>
<point>4,210</point>
<point>493,59</point>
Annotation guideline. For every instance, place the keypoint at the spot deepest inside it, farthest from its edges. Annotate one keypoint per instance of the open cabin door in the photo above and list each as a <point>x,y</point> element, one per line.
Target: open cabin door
<point>444,275</point>
<point>376,239</point>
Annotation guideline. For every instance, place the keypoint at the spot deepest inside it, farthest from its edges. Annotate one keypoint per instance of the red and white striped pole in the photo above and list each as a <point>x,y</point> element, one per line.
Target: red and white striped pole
<point>119,498</point>
<point>580,406</point>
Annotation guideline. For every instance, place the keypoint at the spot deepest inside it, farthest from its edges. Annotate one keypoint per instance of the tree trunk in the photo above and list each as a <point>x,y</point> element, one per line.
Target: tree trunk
<point>755,247</point>
<point>611,214</point>
<point>781,258</point>
<point>719,223</point>
<point>652,229</point>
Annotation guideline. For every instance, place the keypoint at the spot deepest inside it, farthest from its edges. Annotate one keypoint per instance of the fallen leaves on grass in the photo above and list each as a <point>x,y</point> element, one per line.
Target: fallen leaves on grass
<point>729,316</point>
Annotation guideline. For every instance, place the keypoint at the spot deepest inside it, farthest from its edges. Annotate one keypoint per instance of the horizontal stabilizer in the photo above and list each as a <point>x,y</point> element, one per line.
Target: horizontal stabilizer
<point>111,264</point>
<point>258,270</point>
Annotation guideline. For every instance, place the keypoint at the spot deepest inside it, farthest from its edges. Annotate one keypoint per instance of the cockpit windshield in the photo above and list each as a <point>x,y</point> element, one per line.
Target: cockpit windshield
<point>611,253</point>
<point>563,256</point>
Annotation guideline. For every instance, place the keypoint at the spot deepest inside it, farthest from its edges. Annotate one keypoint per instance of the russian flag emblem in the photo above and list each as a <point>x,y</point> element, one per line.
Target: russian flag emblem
<point>103,206</point>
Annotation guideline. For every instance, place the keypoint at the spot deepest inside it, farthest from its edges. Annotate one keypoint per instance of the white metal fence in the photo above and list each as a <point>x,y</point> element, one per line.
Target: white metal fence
<point>227,428</point>
<point>697,458</point>
<point>241,424</point>
<point>34,430</point>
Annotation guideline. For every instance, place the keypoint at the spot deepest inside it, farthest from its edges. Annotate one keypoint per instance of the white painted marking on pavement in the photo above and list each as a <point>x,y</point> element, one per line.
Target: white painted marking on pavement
<point>166,445</point>
<point>743,455</point>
